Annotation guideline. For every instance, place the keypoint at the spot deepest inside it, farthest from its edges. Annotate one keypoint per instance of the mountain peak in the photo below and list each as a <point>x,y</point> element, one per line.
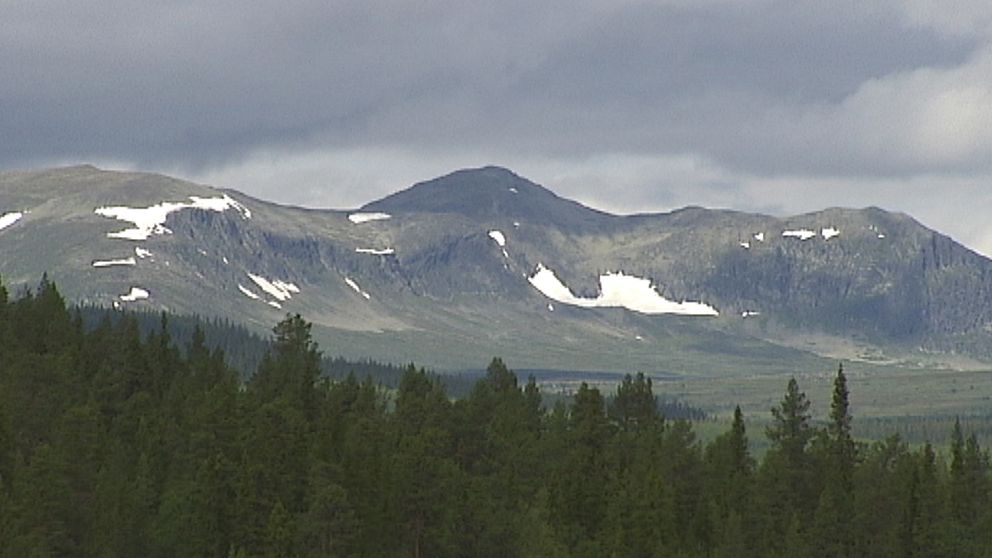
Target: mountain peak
<point>488,193</point>
<point>493,172</point>
<point>439,194</point>
<point>461,257</point>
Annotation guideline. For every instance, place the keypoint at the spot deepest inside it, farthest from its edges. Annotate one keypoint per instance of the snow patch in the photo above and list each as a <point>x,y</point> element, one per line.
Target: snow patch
<point>551,307</point>
<point>8,219</point>
<point>142,253</point>
<point>248,293</point>
<point>760,237</point>
<point>351,283</point>
<point>274,304</point>
<point>280,290</point>
<point>221,204</point>
<point>109,263</point>
<point>358,218</point>
<point>516,224</point>
<point>514,190</point>
<point>224,259</point>
<point>136,293</point>
<point>151,220</point>
<point>880,235</point>
<point>618,290</point>
<point>801,234</point>
<point>829,233</point>
<point>745,245</point>
<point>375,251</point>
<point>750,313</point>
<point>498,237</point>
<point>501,240</point>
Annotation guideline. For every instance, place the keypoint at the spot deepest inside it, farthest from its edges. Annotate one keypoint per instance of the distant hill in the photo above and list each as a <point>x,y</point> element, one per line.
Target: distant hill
<point>483,262</point>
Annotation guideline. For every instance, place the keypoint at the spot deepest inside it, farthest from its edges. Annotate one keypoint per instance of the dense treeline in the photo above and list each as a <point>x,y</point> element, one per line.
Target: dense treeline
<point>919,430</point>
<point>244,350</point>
<point>117,444</point>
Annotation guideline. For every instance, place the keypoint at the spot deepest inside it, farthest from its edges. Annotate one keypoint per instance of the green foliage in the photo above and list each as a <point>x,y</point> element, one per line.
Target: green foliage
<point>635,405</point>
<point>119,440</point>
<point>832,527</point>
<point>791,431</point>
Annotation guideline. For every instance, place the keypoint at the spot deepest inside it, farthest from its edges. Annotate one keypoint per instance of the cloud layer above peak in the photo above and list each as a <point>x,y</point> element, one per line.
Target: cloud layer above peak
<point>641,104</point>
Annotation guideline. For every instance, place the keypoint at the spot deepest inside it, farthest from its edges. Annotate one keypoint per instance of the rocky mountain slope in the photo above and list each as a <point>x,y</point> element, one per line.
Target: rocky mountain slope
<point>481,262</point>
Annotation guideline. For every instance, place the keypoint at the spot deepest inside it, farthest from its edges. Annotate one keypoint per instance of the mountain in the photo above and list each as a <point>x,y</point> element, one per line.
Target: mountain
<point>482,262</point>
<point>493,194</point>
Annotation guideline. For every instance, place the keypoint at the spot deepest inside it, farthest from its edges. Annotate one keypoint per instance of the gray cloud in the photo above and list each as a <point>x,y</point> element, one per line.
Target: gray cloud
<point>200,83</point>
<point>630,105</point>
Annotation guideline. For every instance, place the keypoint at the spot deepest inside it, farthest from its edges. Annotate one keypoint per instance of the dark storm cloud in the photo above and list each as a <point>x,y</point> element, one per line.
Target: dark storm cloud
<point>768,105</point>
<point>195,85</point>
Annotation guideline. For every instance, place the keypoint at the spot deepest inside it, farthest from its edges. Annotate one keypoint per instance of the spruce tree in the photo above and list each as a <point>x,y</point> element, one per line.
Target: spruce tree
<point>969,492</point>
<point>578,487</point>
<point>976,464</point>
<point>785,473</point>
<point>291,368</point>
<point>423,475</point>
<point>790,431</point>
<point>729,470</point>
<point>741,461</point>
<point>634,406</point>
<point>930,529</point>
<point>837,497</point>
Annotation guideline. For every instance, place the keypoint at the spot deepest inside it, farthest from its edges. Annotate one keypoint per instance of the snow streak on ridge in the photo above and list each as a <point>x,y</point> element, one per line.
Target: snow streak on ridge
<point>151,220</point>
<point>109,263</point>
<point>136,293</point>
<point>8,219</point>
<point>376,251</point>
<point>498,237</point>
<point>280,290</point>
<point>248,292</point>
<point>351,283</point>
<point>358,218</point>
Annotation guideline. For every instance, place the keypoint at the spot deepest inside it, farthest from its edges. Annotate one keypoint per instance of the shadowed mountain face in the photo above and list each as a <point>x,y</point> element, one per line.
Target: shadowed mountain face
<point>480,262</point>
<point>492,193</point>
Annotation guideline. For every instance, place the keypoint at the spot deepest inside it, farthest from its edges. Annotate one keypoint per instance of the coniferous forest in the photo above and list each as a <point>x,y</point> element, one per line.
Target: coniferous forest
<point>118,443</point>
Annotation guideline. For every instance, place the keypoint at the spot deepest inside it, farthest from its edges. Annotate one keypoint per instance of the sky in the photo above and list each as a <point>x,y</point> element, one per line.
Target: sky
<point>630,106</point>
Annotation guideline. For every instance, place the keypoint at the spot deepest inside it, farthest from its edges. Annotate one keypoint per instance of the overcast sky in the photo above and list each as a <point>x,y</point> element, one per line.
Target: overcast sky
<point>774,106</point>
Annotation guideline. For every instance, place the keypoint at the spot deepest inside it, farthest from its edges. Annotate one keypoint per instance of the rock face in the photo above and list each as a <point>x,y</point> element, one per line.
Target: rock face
<point>443,269</point>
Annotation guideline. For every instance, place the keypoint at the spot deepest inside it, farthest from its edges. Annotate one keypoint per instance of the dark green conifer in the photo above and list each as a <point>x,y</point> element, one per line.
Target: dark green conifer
<point>634,405</point>
<point>832,527</point>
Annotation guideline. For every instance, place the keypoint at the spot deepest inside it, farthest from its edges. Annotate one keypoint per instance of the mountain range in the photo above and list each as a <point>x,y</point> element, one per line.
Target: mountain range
<point>483,262</point>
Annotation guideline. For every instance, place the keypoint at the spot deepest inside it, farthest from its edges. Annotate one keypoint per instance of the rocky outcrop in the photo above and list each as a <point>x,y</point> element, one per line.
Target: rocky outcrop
<point>457,249</point>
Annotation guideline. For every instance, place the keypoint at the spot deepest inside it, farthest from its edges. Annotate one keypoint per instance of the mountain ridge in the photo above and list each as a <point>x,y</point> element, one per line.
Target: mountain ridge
<point>488,193</point>
<point>134,178</point>
<point>456,259</point>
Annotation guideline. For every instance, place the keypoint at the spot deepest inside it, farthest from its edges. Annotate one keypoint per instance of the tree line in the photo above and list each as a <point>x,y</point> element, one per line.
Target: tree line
<point>118,443</point>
